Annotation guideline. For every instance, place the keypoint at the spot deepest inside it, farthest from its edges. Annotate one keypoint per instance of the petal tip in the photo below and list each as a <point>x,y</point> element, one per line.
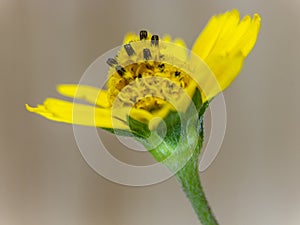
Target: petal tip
<point>235,12</point>
<point>61,87</point>
<point>257,17</point>
<point>29,108</point>
<point>67,90</point>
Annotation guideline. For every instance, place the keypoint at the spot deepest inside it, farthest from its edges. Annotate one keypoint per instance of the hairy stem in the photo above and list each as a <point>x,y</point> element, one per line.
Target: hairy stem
<point>189,179</point>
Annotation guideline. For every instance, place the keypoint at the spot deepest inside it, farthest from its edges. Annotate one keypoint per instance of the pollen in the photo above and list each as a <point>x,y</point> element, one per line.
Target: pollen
<point>143,75</point>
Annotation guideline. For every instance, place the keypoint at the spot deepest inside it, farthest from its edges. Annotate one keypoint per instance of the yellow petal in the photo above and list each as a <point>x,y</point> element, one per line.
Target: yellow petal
<point>207,39</point>
<point>240,31</point>
<point>90,94</point>
<point>226,34</point>
<point>167,38</point>
<point>68,112</point>
<point>223,45</point>
<point>223,74</point>
<point>248,41</point>
<point>130,37</point>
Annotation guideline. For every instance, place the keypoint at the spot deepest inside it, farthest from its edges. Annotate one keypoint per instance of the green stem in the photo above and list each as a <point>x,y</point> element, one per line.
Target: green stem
<point>189,178</point>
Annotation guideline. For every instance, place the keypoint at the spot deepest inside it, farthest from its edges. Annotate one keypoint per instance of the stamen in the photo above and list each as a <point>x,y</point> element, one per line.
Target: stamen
<point>143,34</point>
<point>147,54</point>
<point>111,62</point>
<point>161,67</point>
<point>121,71</point>
<point>129,49</point>
<point>154,40</point>
<point>177,73</point>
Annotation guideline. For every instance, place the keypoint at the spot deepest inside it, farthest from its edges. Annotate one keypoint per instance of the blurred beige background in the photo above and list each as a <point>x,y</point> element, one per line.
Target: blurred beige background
<point>45,181</point>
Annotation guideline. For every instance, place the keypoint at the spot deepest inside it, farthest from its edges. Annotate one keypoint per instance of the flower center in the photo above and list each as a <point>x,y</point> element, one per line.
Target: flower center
<point>142,76</point>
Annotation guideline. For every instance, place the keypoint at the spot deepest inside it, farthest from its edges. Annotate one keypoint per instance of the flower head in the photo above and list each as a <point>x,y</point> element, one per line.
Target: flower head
<point>152,76</point>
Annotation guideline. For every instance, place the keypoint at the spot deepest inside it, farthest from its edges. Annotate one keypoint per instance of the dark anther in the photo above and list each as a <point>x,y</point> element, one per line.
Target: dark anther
<point>147,53</point>
<point>177,73</point>
<point>154,40</point>
<point>111,62</point>
<point>143,34</point>
<point>129,49</point>
<point>121,71</point>
<point>161,67</point>
<point>140,75</point>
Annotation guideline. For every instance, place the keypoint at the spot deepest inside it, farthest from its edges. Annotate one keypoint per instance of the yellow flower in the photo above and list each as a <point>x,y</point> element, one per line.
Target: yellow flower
<point>148,72</point>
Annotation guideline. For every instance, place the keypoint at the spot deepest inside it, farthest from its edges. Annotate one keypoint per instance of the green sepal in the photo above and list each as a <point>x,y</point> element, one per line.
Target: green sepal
<point>197,100</point>
<point>138,129</point>
<point>183,131</point>
<point>119,132</point>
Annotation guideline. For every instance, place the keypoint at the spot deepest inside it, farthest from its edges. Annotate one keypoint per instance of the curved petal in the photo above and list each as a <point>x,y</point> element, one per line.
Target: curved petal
<point>90,94</point>
<point>223,45</point>
<point>68,112</point>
